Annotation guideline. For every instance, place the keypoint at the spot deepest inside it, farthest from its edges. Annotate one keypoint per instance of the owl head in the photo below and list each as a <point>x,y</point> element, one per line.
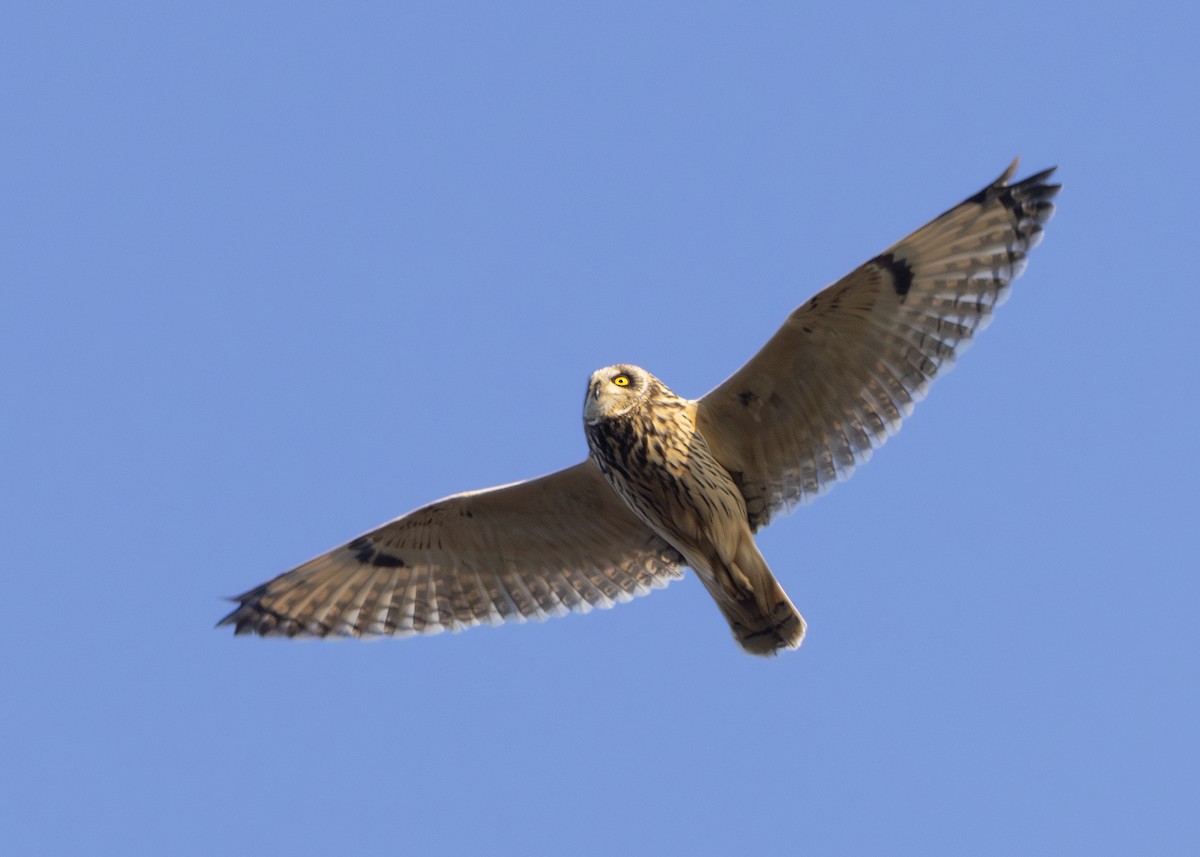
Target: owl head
<point>614,391</point>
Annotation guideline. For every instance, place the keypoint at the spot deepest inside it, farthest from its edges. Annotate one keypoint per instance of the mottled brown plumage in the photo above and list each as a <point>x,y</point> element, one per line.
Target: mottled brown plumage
<point>672,481</point>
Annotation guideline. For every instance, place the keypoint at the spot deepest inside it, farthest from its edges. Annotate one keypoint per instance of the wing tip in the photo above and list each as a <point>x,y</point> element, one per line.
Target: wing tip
<point>1036,178</point>
<point>1034,187</point>
<point>251,616</point>
<point>230,618</point>
<point>1008,173</point>
<point>1030,200</point>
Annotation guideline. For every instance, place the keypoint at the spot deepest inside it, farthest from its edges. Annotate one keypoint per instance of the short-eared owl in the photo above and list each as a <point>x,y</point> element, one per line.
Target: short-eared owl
<point>673,482</point>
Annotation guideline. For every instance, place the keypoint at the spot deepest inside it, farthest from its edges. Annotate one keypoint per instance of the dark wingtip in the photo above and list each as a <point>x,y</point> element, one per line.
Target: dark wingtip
<point>1030,198</point>
<point>228,618</point>
<point>231,618</point>
<point>242,617</point>
<point>1035,183</point>
<point>1038,178</point>
<point>1036,187</point>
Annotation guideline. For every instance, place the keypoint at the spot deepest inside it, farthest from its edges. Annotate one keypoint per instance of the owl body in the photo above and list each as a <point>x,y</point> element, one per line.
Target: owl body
<point>645,441</point>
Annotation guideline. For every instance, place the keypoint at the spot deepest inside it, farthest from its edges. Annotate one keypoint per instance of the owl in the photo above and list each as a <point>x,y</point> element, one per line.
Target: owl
<point>672,482</point>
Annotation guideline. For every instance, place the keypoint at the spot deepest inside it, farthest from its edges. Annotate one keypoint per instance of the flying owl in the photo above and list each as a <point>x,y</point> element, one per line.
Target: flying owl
<point>673,482</point>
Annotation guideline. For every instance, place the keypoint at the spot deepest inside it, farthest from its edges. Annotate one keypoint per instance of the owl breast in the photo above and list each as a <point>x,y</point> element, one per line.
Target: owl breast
<point>662,468</point>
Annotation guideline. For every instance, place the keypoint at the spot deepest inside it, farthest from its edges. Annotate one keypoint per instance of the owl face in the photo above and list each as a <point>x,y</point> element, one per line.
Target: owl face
<point>614,391</point>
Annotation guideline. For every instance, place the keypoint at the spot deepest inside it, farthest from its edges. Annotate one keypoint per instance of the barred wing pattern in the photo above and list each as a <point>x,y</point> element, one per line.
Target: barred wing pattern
<point>564,542</point>
<point>847,366</point>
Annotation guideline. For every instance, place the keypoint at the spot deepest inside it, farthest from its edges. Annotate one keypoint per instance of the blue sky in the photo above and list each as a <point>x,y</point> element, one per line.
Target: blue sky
<point>275,273</point>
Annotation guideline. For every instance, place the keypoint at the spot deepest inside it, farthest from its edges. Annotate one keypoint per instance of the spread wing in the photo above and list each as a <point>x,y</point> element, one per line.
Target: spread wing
<point>528,550</point>
<point>846,367</point>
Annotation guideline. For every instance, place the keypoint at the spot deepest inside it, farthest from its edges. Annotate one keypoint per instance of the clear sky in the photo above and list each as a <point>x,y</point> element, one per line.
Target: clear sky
<point>274,273</point>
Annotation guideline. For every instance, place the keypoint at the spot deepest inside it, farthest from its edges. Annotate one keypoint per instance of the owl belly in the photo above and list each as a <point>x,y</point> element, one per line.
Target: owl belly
<point>671,482</point>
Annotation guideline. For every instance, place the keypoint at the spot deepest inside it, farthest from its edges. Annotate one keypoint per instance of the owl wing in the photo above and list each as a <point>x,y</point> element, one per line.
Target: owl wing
<point>528,550</point>
<point>845,369</point>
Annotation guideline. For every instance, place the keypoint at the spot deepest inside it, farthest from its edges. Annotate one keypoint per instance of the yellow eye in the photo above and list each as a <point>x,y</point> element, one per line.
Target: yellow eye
<point>621,380</point>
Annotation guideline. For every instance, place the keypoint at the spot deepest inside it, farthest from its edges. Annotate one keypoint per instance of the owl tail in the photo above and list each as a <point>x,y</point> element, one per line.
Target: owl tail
<point>759,612</point>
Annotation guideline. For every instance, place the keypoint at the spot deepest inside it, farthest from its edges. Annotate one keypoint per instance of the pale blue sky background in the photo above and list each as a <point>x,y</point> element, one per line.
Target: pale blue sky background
<point>274,273</point>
